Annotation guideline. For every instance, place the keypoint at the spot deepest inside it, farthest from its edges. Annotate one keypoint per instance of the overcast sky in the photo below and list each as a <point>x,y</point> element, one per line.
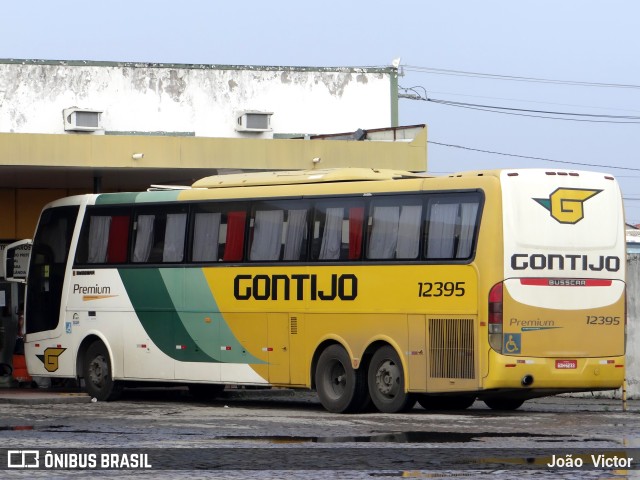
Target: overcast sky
<point>578,58</point>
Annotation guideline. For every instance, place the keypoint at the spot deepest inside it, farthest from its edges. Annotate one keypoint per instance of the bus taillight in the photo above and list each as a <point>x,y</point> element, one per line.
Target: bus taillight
<point>495,317</point>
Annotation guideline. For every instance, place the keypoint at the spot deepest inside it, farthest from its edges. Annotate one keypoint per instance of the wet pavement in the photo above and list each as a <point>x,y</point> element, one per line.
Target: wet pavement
<point>287,434</point>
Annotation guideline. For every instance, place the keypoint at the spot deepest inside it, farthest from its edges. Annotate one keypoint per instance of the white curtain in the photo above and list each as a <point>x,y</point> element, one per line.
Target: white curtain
<point>384,232</point>
<point>144,238</point>
<point>98,239</point>
<point>409,232</point>
<point>442,225</point>
<point>267,235</point>
<point>206,234</point>
<point>469,211</point>
<point>174,234</point>
<point>296,226</point>
<point>332,234</point>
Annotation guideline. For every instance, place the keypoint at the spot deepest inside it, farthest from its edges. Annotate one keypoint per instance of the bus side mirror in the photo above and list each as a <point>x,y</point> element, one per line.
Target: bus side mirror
<point>15,261</point>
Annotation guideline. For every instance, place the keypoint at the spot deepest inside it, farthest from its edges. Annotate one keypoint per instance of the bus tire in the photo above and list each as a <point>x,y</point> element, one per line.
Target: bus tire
<point>97,373</point>
<point>438,402</point>
<point>340,387</point>
<point>387,383</point>
<point>502,403</point>
<point>205,391</point>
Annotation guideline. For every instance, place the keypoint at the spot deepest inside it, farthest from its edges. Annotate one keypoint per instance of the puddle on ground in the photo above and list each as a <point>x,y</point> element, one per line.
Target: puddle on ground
<point>400,437</point>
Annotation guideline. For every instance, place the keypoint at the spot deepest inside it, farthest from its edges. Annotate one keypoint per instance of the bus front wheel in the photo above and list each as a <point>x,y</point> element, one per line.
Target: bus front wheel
<point>341,388</point>
<point>503,403</point>
<point>98,373</point>
<point>387,383</point>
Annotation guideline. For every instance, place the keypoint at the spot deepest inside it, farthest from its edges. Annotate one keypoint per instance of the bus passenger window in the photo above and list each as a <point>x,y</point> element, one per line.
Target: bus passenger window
<point>105,241</point>
<point>175,232</point>
<point>144,228</point>
<point>160,237</point>
<point>356,220</point>
<point>332,234</point>
<point>98,239</point>
<point>218,232</point>
<point>395,232</point>
<point>206,237</point>
<point>451,228</point>
<point>234,243</point>
<point>295,235</point>
<point>278,234</point>
<point>267,235</point>
<point>468,220</point>
<point>118,239</point>
<point>409,232</point>
<point>384,232</point>
<point>336,237</point>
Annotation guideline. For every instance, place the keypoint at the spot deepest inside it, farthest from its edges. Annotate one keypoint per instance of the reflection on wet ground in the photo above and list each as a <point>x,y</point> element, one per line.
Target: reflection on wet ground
<point>399,437</point>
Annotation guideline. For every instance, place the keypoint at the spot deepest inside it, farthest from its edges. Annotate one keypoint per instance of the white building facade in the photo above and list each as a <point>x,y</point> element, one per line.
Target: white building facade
<point>194,100</point>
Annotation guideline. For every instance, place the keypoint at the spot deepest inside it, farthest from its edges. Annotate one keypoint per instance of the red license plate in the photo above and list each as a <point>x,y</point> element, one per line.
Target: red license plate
<point>566,364</point>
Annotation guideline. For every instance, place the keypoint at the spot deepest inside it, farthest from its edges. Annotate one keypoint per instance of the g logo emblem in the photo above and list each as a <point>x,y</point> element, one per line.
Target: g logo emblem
<point>50,358</point>
<point>566,205</point>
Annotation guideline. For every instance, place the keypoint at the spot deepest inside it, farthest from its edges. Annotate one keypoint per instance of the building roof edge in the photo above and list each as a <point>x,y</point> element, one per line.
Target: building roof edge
<point>196,66</point>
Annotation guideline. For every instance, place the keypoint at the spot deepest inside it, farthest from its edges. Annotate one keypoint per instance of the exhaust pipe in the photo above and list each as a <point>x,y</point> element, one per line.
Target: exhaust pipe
<point>527,380</point>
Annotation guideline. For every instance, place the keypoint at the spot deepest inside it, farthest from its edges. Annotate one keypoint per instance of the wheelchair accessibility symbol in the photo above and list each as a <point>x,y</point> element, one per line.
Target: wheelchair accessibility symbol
<point>512,343</point>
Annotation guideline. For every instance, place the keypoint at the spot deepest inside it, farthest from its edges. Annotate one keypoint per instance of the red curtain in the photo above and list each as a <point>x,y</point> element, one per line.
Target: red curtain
<point>235,236</point>
<point>118,239</point>
<point>356,217</point>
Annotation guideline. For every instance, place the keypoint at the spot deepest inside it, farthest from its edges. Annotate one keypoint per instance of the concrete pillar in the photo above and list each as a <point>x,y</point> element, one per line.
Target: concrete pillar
<point>633,326</point>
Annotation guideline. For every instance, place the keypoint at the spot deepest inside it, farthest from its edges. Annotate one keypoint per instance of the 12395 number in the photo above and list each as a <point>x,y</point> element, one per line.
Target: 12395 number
<point>601,320</point>
<point>441,289</point>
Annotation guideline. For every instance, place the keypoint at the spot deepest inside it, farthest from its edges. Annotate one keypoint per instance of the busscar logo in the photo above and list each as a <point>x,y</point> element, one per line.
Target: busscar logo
<point>566,205</point>
<point>50,358</point>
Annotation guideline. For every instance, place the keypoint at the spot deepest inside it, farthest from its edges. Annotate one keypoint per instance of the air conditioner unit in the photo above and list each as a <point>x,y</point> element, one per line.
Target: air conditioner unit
<point>81,120</point>
<point>253,121</point>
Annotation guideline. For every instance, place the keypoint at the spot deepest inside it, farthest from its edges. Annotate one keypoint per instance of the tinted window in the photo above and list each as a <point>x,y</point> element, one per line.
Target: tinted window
<point>452,222</point>
<point>337,230</point>
<point>159,235</point>
<point>394,228</point>
<point>105,237</point>
<point>279,231</point>
<point>218,232</point>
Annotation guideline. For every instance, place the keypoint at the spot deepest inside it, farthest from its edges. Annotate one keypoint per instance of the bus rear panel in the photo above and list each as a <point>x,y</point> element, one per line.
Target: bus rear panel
<point>557,320</point>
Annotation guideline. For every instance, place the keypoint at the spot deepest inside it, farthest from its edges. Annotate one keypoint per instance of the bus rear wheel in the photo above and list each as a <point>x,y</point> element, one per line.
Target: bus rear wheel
<point>98,374</point>
<point>387,383</point>
<point>340,387</point>
<point>502,403</point>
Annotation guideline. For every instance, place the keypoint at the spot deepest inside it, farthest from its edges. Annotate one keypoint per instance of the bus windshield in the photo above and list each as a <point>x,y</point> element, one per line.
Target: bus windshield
<point>46,271</point>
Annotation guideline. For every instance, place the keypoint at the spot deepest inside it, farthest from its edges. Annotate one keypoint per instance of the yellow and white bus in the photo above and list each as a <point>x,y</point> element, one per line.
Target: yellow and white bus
<point>373,287</point>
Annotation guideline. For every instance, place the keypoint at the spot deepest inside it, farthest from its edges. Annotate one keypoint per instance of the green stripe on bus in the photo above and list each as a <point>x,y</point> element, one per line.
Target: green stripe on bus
<point>201,317</point>
<point>158,315</point>
<point>137,197</point>
<point>184,334</point>
<point>116,198</point>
